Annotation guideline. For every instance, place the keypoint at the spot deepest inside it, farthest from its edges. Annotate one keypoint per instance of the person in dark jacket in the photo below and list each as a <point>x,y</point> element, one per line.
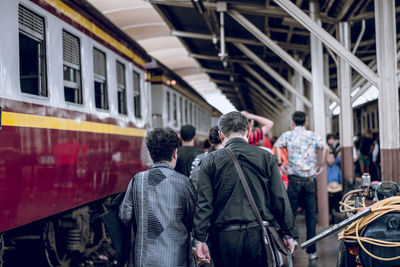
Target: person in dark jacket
<point>160,202</point>
<point>187,152</point>
<point>216,143</point>
<point>223,206</point>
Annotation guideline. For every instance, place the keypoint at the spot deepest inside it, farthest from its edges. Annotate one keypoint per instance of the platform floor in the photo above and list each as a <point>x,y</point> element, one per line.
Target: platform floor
<point>327,248</point>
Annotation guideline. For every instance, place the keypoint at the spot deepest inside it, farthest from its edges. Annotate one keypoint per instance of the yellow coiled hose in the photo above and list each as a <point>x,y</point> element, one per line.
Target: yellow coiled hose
<point>378,209</point>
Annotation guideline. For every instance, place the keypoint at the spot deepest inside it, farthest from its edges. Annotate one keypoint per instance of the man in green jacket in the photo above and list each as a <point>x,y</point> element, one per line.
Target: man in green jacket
<point>223,212</point>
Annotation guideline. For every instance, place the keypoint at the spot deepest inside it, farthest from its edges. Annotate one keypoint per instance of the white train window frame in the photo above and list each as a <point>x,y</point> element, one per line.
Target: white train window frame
<point>43,39</point>
<point>137,93</point>
<point>121,92</point>
<point>102,79</point>
<point>78,85</point>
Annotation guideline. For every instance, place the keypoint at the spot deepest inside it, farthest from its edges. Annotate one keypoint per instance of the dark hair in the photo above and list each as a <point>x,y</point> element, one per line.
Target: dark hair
<point>213,137</point>
<point>329,136</point>
<point>187,132</point>
<point>299,118</point>
<point>233,122</point>
<point>206,144</point>
<point>161,143</point>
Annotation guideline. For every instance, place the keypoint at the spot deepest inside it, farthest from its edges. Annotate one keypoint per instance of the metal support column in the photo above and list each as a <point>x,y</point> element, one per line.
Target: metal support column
<point>299,85</point>
<point>328,113</point>
<point>318,111</point>
<point>346,111</point>
<point>385,25</point>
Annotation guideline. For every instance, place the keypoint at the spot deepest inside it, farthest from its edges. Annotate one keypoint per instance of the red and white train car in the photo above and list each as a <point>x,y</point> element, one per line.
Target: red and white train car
<point>76,100</point>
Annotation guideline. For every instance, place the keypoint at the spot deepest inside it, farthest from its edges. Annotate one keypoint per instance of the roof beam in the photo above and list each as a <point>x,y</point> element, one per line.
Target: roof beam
<point>215,58</point>
<point>267,106</point>
<point>259,10</point>
<point>273,74</point>
<point>279,51</point>
<point>226,82</point>
<point>267,84</point>
<point>261,105</point>
<point>303,33</point>
<point>202,36</point>
<point>222,72</point>
<point>264,104</point>
<point>329,40</point>
<point>263,92</point>
<point>369,15</point>
<point>234,92</point>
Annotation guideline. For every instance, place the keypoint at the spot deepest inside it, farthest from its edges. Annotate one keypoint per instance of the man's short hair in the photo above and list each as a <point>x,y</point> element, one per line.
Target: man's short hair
<point>329,136</point>
<point>213,137</point>
<point>187,132</point>
<point>161,143</point>
<point>299,118</point>
<point>233,122</point>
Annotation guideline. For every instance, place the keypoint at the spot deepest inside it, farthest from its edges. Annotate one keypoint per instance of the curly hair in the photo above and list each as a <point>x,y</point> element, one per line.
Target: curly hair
<point>213,137</point>
<point>161,143</point>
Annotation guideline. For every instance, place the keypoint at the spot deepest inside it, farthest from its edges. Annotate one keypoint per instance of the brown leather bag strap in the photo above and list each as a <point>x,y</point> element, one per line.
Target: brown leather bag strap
<point>267,241</point>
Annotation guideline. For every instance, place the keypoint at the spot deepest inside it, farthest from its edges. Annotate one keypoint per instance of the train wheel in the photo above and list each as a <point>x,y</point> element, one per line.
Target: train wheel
<point>50,247</point>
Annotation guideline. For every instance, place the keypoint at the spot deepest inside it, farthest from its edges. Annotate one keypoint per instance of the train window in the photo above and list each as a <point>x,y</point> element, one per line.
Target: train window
<point>121,88</point>
<point>100,79</point>
<point>72,68</point>
<point>136,94</point>
<point>181,109</point>
<point>32,52</point>
<point>368,122</point>
<point>168,106</point>
<point>175,110</point>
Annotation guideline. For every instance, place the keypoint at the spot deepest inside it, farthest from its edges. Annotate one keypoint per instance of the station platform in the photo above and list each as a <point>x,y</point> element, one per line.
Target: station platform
<point>327,248</point>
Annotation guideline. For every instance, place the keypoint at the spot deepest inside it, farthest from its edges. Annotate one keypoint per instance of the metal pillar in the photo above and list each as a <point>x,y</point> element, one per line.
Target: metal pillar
<point>328,114</point>
<point>385,25</point>
<point>318,112</point>
<point>346,110</point>
<point>299,85</point>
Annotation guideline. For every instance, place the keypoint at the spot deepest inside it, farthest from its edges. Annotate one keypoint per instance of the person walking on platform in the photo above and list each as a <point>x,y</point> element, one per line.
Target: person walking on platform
<point>303,167</point>
<point>216,144</point>
<point>261,133</point>
<point>159,206</point>
<point>224,216</point>
<point>187,152</point>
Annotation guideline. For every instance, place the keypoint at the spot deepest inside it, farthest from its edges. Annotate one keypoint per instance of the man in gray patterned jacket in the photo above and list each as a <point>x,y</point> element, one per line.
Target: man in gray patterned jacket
<point>160,204</point>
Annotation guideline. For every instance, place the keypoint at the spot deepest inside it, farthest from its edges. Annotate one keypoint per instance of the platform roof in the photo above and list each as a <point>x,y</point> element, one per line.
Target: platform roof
<point>185,36</point>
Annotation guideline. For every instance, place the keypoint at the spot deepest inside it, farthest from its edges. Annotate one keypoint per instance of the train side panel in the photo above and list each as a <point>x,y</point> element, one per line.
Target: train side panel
<point>56,155</point>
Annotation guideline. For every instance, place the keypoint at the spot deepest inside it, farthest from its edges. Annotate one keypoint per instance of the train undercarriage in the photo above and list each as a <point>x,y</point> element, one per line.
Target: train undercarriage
<point>74,238</point>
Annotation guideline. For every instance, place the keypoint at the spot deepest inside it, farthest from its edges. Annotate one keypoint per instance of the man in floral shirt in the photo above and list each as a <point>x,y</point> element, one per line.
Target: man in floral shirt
<point>303,167</point>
